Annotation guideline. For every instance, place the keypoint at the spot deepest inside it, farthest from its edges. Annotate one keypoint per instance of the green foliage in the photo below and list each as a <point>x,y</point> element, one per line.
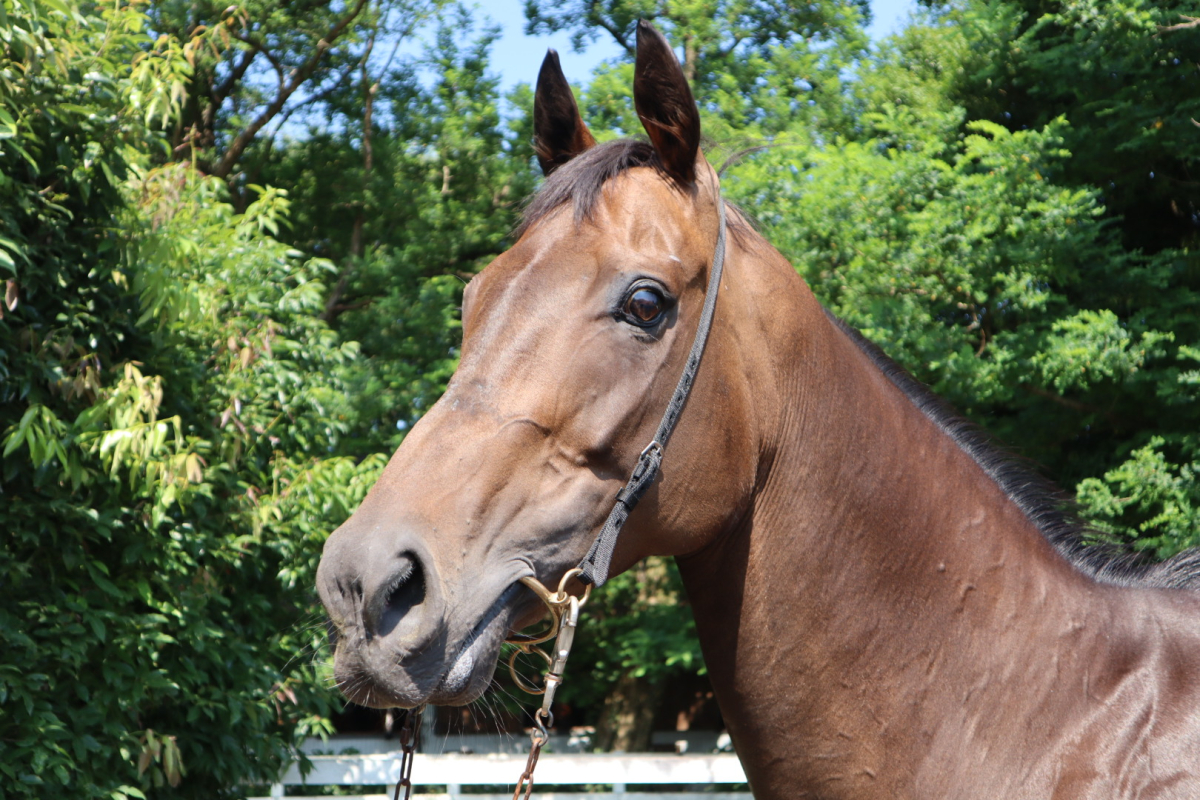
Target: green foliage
<point>1153,497</point>
<point>170,400</point>
<point>264,61</point>
<point>960,259</point>
<point>1148,499</point>
<point>441,196</point>
<point>759,68</point>
<point>155,535</point>
<point>639,625</point>
<point>1118,72</point>
<point>981,256</point>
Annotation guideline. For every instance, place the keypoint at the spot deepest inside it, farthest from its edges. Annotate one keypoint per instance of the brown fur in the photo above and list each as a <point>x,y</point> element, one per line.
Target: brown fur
<point>882,612</point>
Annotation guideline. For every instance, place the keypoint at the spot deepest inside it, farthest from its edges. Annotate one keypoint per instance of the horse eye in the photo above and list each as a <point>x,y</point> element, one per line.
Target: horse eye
<point>644,307</point>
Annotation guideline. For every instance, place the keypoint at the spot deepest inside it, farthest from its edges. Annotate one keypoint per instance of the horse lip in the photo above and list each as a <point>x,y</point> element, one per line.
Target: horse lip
<point>465,668</point>
<point>470,670</point>
<point>466,679</point>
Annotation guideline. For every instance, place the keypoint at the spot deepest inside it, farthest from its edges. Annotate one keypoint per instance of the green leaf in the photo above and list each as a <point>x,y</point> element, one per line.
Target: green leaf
<point>102,582</point>
<point>57,5</point>
<point>14,440</point>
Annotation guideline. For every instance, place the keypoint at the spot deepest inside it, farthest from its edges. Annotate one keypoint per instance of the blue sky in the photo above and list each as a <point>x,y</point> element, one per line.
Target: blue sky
<point>517,57</point>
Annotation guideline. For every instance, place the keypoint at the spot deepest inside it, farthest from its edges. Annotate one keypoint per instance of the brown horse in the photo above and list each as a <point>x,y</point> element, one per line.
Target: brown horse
<point>888,608</point>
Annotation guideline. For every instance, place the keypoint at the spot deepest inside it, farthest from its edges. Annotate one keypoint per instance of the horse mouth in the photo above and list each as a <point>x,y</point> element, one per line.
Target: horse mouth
<point>371,673</point>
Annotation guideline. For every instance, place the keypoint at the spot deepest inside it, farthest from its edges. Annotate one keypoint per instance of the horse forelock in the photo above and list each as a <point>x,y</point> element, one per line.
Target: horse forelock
<point>1043,503</point>
<point>581,180</point>
<point>580,183</point>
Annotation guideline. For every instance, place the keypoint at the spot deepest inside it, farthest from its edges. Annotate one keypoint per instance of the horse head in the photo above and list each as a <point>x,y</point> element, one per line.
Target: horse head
<point>572,344</point>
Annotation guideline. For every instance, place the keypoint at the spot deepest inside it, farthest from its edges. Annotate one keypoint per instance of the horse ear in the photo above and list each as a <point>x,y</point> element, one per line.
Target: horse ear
<point>558,131</point>
<point>665,104</point>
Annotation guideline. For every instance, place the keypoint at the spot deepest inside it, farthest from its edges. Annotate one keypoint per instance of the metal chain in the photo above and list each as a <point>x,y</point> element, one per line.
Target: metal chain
<point>410,733</point>
<point>539,736</point>
<point>564,615</point>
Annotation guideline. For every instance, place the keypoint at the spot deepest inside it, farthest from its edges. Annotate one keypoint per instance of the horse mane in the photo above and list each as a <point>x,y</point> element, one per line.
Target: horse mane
<point>1043,503</point>
<point>580,183</point>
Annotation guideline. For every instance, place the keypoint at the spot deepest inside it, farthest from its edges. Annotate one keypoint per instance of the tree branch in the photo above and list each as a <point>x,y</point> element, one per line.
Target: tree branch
<point>313,98</point>
<point>370,88</point>
<point>1192,22</point>
<point>299,76</point>
<point>236,74</point>
<point>725,51</point>
<point>615,32</point>
<point>218,95</point>
<point>257,47</point>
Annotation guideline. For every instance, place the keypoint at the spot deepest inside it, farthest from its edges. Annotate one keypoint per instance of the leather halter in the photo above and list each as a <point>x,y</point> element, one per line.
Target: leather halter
<point>595,565</point>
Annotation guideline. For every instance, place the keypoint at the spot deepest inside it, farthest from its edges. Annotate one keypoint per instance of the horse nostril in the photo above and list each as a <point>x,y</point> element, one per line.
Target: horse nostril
<point>405,592</point>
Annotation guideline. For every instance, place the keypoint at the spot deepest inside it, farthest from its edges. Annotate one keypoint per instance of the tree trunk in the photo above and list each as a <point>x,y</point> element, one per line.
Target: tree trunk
<point>690,56</point>
<point>627,720</point>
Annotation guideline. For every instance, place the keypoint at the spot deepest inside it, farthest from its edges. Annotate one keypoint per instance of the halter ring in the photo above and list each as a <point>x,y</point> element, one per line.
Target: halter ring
<point>564,615</point>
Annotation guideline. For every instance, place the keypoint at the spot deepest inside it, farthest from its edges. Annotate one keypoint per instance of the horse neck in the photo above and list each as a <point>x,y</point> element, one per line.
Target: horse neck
<point>874,543</point>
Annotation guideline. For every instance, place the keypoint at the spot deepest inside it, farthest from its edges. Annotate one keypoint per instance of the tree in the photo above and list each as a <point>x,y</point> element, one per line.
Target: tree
<point>168,413</point>
<point>1120,73</point>
<point>444,188</point>
<point>267,61</point>
<point>760,67</point>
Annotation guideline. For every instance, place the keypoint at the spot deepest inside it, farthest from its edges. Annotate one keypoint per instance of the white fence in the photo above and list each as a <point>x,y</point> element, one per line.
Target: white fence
<point>579,740</point>
<point>454,771</point>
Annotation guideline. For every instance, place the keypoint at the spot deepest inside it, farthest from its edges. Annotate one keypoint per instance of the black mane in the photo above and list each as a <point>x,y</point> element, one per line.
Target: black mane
<point>1041,501</point>
<point>580,181</point>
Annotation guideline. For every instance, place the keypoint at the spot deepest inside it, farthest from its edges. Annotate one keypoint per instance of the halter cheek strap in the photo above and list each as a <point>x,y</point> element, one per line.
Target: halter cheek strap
<point>593,570</point>
<point>594,567</point>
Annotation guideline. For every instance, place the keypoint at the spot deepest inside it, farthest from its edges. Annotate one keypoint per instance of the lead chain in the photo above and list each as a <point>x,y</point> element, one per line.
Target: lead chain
<point>564,610</point>
<point>539,736</point>
<point>564,615</point>
<point>410,731</point>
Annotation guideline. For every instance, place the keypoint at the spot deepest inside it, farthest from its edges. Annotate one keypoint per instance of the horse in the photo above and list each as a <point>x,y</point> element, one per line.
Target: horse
<point>888,605</point>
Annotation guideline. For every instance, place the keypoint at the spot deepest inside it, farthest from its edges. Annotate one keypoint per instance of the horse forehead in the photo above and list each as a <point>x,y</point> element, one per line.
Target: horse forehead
<point>637,216</point>
<point>644,211</point>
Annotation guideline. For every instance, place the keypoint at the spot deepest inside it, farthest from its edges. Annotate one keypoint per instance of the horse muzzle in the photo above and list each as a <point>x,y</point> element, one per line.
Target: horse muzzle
<point>398,640</point>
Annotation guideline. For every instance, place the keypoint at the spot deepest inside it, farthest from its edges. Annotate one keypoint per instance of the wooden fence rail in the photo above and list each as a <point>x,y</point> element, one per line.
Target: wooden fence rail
<point>681,777</point>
